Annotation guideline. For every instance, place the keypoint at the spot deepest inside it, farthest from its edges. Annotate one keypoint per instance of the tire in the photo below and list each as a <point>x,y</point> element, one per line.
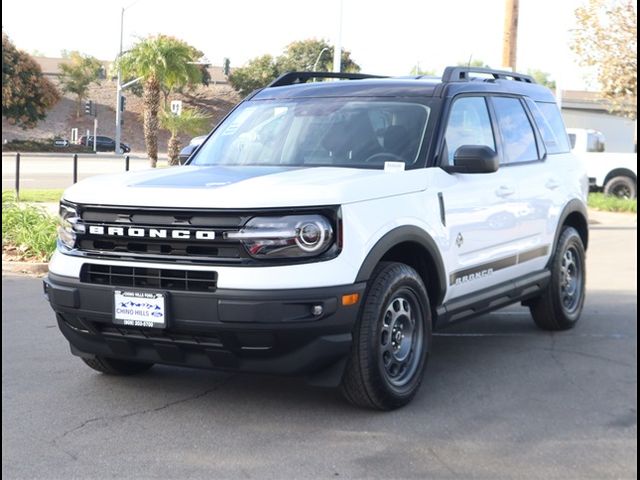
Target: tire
<point>385,368</point>
<point>621,186</point>
<point>113,366</point>
<point>560,305</point>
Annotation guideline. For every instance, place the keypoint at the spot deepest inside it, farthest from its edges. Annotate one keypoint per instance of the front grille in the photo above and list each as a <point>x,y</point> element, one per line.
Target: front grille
<point>166,279</point>
<point>155,247</point>
<point>217,249</point>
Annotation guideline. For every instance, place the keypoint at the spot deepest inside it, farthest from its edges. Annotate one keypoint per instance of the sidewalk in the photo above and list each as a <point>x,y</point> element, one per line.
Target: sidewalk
<point>612,219</point>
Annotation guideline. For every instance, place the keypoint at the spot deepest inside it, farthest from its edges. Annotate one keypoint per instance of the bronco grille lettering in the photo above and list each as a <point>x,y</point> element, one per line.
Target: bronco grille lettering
<point>139,232</point>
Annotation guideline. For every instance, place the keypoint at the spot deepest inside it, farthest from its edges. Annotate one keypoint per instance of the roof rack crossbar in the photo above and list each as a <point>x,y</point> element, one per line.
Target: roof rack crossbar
<point>462,74</point>
<point>291,78</point>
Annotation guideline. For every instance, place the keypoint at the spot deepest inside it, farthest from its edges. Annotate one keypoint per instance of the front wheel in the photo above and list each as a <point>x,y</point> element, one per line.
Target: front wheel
<point>560,305</point>
<point>391,341</point>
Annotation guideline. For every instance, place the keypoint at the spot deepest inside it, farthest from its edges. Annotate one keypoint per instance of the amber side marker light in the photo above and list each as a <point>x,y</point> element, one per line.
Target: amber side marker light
<point>350,299</point>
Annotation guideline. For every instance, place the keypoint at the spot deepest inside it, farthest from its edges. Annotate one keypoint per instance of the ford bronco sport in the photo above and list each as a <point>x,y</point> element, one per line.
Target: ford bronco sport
<point>326,228</point>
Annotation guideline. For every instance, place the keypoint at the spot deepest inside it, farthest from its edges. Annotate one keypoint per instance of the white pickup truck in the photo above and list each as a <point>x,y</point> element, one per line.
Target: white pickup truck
<point>612,173</point>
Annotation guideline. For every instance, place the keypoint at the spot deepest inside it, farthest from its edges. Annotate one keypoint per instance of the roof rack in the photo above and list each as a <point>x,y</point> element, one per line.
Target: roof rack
<point>462,74</point>
<point>291,78</point>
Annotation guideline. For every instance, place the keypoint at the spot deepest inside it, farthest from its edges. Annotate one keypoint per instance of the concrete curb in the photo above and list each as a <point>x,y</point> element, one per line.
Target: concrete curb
<point>31,268</point>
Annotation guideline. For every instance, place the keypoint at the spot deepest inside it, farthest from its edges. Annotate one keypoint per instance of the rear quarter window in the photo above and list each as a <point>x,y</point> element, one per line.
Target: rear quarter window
<point>549,121</point>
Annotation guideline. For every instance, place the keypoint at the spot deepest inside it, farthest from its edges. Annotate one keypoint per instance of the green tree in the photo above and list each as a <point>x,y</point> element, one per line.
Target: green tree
<point>606,39</point>
<point>161,61</point>
<point>542,78</point>
<point>297,56</point>
<point>256,74</point>
<point>302,55</point>
<point>191,120</point>
<point>26,94</point>
<point>77,74</point>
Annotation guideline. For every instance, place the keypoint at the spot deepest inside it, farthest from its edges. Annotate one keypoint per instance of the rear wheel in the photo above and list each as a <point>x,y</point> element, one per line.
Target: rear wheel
<point>391,342</point>
<point>559,307</point>
<point>114,366</point>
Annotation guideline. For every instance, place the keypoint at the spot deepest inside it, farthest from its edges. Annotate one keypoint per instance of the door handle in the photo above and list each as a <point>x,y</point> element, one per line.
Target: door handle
<point>552,184</point>
<point>504,191</point>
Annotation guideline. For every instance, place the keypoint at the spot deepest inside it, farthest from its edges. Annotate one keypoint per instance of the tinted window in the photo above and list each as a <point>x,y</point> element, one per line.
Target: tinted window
<point>551,126</point>
<point>517,133</point>
<point>343,132</point>
<point>572,139</point>
<point>595,142</point>
<point>468,124</point>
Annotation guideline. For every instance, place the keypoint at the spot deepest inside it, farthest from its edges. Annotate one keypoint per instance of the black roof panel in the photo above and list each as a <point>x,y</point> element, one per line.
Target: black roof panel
<point>404,87</point>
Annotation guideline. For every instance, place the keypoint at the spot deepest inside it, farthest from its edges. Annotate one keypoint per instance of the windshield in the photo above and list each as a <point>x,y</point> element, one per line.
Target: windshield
<point>343,132</point>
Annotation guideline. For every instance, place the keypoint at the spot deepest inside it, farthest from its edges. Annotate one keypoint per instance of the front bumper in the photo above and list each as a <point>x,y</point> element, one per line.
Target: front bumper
<point>243,330</point>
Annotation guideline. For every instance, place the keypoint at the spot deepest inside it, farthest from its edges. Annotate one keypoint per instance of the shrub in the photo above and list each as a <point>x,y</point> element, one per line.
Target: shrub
<point>28,232</point>
<point>28,146</point>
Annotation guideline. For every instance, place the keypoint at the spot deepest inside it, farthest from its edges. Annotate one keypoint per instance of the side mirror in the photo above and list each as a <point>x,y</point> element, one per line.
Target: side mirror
<point>185,153</point>
<point>473,159</point>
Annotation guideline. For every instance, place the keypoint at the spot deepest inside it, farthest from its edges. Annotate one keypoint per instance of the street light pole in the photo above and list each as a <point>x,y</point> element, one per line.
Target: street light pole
<point>337,48</point>
<point>315,65</point>
<point>119,89</point>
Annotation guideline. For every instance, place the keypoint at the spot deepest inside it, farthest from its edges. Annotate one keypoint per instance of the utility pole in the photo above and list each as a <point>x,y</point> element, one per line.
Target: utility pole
<point>510,35</point>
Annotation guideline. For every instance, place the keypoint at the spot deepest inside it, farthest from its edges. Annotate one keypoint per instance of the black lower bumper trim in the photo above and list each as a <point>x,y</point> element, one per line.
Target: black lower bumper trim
<point>255,331</point>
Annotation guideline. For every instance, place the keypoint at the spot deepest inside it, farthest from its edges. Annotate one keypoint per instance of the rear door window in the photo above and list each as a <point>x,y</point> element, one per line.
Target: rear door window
<point>518,137</point>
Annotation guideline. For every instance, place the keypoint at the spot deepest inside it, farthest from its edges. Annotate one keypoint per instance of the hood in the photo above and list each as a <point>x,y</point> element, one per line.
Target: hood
<point>243,186</point>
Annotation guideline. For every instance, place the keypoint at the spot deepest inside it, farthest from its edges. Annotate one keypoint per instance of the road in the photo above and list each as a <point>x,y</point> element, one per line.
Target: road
<point>501,399</point>
<point>56,171</point>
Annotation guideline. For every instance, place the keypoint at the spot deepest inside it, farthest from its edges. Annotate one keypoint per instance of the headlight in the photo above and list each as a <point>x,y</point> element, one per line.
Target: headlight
<point>286,237</point>
<point>69,225</point>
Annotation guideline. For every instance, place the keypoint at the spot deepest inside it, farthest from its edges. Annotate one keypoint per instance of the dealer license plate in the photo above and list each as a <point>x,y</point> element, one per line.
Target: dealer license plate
<point>139,309</point>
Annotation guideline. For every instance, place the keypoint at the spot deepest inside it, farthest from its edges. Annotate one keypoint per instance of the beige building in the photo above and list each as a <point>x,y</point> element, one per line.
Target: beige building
<point>582,109</point>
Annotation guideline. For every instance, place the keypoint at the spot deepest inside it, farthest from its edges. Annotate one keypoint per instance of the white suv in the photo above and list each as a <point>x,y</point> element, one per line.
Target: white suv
<point>326,229</point>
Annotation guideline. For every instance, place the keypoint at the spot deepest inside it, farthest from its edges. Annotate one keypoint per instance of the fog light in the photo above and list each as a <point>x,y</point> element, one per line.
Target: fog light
<point>317,310</point>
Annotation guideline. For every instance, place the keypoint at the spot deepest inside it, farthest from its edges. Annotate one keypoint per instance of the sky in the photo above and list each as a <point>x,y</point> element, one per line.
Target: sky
<point>387,37</point>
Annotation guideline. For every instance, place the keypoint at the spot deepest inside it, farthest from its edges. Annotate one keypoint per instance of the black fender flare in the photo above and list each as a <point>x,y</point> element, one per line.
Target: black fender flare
<point>406,233</point>
<point>574,206</point>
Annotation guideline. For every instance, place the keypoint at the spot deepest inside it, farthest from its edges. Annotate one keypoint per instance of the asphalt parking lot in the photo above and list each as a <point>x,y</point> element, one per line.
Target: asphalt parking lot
<point>501,399</point>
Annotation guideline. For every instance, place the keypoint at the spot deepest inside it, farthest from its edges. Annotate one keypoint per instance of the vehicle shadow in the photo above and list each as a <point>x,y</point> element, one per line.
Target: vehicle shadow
<point>495,354</point>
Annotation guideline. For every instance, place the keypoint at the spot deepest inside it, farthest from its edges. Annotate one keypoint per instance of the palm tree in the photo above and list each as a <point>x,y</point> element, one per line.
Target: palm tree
<point>190,120</point>
<point>160,61</point>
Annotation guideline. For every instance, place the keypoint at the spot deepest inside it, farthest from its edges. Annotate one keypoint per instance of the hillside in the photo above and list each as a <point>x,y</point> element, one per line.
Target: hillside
<point>217,100</point>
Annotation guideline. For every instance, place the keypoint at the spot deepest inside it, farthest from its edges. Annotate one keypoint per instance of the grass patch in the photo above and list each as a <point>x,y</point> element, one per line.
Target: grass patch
<point>609,203</point>
<point>28,231</point>
<point>36,195</point>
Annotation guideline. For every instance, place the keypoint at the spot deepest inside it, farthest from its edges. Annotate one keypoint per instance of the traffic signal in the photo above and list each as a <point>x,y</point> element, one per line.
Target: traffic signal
<point>226,66</point>
<point>123,103</point>
<point>88,107</point>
